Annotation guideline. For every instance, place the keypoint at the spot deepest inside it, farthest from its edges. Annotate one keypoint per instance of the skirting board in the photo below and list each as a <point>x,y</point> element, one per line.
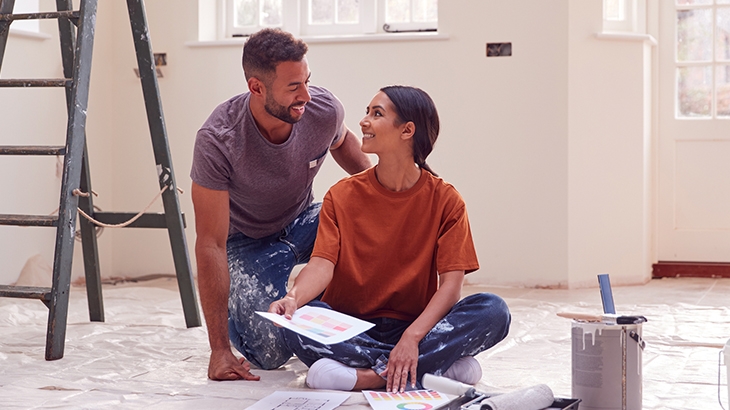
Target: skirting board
<point>691,270</point>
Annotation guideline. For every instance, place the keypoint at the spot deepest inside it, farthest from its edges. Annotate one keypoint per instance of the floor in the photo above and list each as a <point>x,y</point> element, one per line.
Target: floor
<point>144,357</point>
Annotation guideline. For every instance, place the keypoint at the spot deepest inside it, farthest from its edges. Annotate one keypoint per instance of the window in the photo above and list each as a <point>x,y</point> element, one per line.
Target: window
<point>329,17</point>
<point>702,58</point>
<point>25,6</point>
<point>619,16</point>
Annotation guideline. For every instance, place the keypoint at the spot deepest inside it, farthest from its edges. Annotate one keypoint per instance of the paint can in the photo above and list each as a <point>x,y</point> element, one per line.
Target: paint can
<point>607,365</point>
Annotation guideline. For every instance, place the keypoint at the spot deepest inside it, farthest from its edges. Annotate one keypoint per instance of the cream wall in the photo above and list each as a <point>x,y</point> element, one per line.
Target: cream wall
<point>546,146</point>
<point>609,150</point>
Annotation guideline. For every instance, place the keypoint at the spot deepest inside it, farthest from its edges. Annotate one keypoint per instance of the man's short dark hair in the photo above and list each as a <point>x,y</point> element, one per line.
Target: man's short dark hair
<point>267,48</point>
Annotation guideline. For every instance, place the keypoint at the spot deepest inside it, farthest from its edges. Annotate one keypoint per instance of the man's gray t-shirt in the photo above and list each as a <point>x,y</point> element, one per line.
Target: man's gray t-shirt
<point>268,184</point>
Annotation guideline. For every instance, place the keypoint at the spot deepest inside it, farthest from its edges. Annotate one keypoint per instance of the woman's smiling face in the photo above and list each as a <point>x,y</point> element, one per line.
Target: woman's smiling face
<point>380,126</point>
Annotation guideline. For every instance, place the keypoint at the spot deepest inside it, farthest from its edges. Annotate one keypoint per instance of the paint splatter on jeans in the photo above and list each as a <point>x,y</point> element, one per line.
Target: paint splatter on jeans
<point>472,326</point>
<point>259,270</point>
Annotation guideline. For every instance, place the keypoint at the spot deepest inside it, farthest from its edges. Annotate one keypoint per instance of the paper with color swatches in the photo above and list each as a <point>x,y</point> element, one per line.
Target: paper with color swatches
<point>408,400</point>
<point>322,325</point>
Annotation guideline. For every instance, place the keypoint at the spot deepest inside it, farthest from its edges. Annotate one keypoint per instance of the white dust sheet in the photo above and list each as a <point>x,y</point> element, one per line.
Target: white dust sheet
<point>143,356</point>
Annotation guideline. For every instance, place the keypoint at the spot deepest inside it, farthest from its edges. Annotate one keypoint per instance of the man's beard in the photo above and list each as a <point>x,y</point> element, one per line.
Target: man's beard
<point>279,111</point>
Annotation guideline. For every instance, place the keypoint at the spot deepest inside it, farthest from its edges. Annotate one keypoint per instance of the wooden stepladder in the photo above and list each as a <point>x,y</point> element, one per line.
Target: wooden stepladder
<point>76,32</point>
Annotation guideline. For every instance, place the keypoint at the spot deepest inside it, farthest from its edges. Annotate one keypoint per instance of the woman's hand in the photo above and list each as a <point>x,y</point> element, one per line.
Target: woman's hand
<point>403,361</point>
<point>285,306</point>
<point>404,357</point>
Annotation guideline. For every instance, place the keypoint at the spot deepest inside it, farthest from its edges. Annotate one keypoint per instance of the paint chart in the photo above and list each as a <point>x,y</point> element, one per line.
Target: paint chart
<point>300,400</point>
<point>409,400</point>
<point>322,325</point>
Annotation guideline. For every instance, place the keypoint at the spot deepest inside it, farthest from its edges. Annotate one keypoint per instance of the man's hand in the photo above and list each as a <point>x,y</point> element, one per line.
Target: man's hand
<point>224,365</point>
<point>403,360</point>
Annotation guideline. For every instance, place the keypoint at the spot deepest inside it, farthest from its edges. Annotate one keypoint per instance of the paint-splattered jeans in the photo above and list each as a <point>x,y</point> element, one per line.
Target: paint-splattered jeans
<point>473,325</point>
<point>260,270</point>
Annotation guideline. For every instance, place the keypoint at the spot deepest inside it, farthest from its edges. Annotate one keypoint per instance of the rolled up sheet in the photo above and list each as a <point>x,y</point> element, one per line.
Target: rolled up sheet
<point>535,397</point>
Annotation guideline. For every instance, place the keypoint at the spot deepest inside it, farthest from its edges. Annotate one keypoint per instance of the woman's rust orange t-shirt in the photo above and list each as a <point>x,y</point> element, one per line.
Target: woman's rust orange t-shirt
<point>389,247</point>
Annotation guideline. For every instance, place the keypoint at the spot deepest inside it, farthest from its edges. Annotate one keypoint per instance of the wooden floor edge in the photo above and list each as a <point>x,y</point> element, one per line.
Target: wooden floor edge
<point>691,270</point>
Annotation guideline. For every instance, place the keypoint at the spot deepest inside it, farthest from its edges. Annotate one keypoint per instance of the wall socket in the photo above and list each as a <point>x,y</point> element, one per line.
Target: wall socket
<point>499,49</point>
<point>160,60</point>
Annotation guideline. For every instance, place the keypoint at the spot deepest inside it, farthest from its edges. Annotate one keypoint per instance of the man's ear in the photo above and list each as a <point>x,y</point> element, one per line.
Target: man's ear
<point>409,128</point>
<point>256,86</point>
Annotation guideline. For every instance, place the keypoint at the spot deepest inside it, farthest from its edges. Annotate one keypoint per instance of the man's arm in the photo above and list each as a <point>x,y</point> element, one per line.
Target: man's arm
<point>348,154</point>
<point>211,228</point>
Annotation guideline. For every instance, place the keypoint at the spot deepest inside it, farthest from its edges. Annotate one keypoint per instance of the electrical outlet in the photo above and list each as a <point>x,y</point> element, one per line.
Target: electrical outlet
<point>499,49</point>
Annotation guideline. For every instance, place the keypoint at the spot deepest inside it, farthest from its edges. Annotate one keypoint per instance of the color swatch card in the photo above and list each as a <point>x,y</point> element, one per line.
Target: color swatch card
<point>409,400</point>
<point>322,325</point>
<point>300,400</point>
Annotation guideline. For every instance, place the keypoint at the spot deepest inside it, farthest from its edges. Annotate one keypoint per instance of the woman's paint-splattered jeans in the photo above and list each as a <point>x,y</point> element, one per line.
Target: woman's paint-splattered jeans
<point>473,325</point>
<point>260,270</point>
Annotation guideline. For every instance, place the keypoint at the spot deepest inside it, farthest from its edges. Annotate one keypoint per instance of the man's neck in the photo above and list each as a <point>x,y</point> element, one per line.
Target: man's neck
<point>273,129</point>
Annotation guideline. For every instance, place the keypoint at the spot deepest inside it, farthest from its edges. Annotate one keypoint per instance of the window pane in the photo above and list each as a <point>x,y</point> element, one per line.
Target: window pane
<point>722,43</point>
<point>694,89</point>
<point>321,11</point>
<point>348,11</point>
<point>694,35</point>
<point>425,10</point>
<point>613,10</point>
<point>723,90</point>
<point>397,11</point>
<point>26,6</point>
<point>271,13</point>
<point>246,12</point>
<point>693,2</point>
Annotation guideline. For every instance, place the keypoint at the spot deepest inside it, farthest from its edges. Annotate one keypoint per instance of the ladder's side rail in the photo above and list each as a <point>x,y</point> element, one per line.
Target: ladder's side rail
<point>89,246</point>
<point>63,255</point>
<point>67,37</point>
<point>158,133</point>
<point>67,34</point>
<point>6,7</point>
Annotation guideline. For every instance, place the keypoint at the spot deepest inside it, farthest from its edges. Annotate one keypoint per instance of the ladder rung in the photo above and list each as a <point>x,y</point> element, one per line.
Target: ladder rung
<point>28,220</point>
<point>32,150</point>
<point>51,82</point>
<point>38,16</point>
<point>147,220</point>
<point>27,292</point>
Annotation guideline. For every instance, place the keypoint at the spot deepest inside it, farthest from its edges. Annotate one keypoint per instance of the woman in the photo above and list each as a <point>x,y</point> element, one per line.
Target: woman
<point>392,248</point>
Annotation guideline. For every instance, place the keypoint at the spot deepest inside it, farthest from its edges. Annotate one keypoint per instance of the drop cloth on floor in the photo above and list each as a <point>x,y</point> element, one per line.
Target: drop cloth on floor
<point>143,356</point>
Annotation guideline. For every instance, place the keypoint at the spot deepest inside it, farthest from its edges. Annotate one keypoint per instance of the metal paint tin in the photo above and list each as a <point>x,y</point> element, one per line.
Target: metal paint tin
<point>607,365</point>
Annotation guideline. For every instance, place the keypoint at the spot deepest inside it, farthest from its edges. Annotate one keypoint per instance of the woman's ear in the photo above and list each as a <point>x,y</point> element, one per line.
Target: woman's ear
<point>409,128</point>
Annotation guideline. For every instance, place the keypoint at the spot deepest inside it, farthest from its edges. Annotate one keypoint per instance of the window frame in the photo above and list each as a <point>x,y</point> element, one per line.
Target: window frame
<point>295,15</point>
<point>626,24</point>
<point>412,26</point>
<point>714,63</point>
<point>26,26</point>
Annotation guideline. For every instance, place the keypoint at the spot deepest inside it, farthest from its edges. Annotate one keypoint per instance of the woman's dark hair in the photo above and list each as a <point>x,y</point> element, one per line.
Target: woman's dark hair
<point>267,48</point>
<point>415,105</point>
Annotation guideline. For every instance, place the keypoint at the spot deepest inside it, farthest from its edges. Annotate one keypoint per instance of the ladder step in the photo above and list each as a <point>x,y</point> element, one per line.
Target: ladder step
<point>32,150</point>
<point>50,82</point>
<point>26,292</point>
<point>71,15</point>
<point>28,220</point>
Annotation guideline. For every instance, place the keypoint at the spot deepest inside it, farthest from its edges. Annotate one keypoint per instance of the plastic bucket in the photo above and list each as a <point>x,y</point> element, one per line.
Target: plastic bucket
<point>607,365</point>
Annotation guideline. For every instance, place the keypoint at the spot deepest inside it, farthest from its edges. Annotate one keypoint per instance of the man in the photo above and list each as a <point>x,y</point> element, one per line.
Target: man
<point>253,165</point>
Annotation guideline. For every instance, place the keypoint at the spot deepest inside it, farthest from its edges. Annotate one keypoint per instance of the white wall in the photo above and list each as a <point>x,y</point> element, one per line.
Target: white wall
<point>608,150</point>
<point>524,138</point>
